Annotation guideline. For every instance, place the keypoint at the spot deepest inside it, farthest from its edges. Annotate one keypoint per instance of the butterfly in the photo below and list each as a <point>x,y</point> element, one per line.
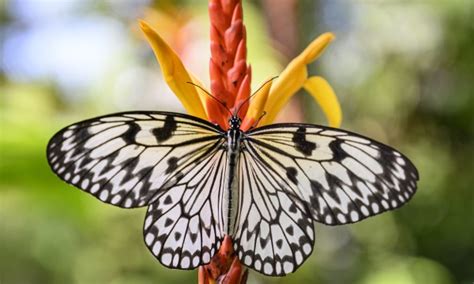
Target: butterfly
<point>264,187</point>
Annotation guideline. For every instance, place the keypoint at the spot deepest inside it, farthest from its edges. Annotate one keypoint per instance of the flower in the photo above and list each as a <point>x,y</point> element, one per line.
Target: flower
<point>230,90</point>
<point>270,98</point>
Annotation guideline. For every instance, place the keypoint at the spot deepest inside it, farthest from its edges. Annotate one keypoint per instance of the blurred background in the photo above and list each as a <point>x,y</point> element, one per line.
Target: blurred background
<point>403,71</point>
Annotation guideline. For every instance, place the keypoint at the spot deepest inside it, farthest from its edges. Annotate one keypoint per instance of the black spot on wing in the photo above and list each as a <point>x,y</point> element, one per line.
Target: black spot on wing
<point>193,237</point>
<point>291,174</point>
<point>264,241</point>
<point>164,133</point>
<point>172,165</point>
<point>302,145</point>
<point>337,151</point>
<point>293,208</point>
<point>168,200</point>
<point>130,135</point>
<point>168,222</point>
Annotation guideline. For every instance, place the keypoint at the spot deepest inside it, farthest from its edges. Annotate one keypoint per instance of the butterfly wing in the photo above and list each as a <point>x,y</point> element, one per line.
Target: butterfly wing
<point>175,163</point>
<point>303,172</point>
<point>184,227</point>
<point>273,233</point>
<point>125,158</point>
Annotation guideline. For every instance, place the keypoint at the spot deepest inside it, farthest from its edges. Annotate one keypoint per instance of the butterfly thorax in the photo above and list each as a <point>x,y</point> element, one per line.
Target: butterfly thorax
<point>234,140</point>
<point>234,135</point>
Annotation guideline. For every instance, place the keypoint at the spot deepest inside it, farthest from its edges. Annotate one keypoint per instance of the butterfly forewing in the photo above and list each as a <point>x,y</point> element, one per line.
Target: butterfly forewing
<point>124,159</point>
<point>341,176</point>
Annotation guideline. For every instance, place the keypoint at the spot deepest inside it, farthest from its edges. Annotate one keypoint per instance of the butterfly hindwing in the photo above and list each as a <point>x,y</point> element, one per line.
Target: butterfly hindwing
<point>184,227</point>
<point>274,231</point>
<point>341,176</point>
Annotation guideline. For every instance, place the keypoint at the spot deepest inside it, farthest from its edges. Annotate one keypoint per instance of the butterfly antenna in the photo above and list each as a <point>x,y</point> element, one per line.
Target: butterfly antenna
<point>256,92</point>
<point>258,120</point>
<point>209,94</point>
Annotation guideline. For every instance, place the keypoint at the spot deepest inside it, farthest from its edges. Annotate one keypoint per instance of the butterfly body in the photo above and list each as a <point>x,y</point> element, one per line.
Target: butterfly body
<point>234,140</point>
<point>264,187</point>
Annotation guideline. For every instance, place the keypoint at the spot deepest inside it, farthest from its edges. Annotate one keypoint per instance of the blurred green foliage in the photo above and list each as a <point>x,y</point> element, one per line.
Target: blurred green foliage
<point>414,95</point>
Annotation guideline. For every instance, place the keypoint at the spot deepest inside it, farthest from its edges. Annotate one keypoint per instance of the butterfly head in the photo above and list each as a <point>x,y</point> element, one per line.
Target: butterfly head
<point>234,122</point>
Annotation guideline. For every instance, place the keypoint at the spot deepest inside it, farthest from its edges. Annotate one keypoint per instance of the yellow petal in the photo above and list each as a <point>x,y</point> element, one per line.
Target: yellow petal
<point>293,77</point>
<point>316,47</point>
<point>174,73</point>
<point>322,92</point>
<point>257,105</point>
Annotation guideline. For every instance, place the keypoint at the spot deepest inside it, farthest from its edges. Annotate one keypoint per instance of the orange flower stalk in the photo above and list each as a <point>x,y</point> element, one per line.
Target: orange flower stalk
<point>224,267</point>
<point>230,84</point>
<point>230,75</point>
<point>230,78</point>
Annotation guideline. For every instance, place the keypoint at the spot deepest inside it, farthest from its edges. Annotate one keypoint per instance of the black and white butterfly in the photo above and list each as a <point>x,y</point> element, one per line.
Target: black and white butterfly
<point>264,187</point>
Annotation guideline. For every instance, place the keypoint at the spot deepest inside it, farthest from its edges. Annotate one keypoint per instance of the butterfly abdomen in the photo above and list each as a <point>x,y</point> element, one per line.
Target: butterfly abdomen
<point>232,183</point>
